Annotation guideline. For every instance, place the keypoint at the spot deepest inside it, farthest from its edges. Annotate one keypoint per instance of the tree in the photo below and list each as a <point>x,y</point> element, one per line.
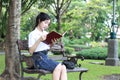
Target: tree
<point>26,5</point>
<point>0,7</point>
<point>3,17</point>
<point>12,71</point>
<point>88,18</point>
<point>57,8</point>
<point>4,5</point>
<point>47,6</point>
<point>118,10</point>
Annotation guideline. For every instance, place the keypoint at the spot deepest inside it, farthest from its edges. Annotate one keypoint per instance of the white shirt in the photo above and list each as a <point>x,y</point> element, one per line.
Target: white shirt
<point>34,36</point>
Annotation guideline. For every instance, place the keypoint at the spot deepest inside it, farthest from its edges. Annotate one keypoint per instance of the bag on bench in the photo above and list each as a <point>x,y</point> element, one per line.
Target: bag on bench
<point>69,64</point>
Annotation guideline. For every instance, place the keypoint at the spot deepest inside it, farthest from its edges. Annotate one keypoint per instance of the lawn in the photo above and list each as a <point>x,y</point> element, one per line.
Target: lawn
<point>96,71</point>
<point>2,63</point>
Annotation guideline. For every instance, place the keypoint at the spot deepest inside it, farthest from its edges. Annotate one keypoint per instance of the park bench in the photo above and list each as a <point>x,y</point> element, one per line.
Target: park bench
<point>23,46</point>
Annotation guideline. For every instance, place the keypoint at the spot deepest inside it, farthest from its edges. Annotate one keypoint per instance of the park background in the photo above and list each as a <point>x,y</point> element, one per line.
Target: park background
<point>88,24</point>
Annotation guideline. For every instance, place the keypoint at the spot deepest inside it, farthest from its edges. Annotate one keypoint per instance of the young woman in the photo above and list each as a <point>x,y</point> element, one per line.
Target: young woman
<point>39,49</point>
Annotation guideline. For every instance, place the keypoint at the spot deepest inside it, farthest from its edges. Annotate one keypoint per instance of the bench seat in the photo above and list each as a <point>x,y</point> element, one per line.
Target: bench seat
<point>44,72</point>
<point>76,69</point>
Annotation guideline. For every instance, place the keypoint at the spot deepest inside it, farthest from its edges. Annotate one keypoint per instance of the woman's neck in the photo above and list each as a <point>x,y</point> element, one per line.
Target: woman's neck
<point>40,29</point>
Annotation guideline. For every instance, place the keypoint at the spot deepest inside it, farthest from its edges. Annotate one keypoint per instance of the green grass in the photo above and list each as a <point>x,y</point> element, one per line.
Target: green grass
<point>2,63</point>
<point>95,71</point>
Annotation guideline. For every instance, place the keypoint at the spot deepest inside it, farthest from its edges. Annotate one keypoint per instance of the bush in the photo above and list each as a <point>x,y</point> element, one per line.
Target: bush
<point>68,41</point>
<point>79,47</point>
<point>98,44</point>
<point>69,50</point>
<point>94,53</point>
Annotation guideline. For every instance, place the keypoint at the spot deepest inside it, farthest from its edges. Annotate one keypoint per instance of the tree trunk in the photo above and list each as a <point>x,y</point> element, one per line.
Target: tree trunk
<point>58,17</point>
<point>0,14</point>
<point>0,8</point>
<point>12,71</point>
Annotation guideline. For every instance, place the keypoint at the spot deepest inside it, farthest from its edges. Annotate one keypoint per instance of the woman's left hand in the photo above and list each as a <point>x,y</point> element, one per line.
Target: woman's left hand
<point>53,42</point>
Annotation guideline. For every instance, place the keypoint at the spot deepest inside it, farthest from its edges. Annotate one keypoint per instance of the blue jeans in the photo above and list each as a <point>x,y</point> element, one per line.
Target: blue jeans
<point>41,61</point>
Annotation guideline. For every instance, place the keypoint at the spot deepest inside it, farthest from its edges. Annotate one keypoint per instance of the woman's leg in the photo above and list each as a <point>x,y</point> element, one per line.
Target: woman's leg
<point>63,73</point>
<point>57,72</point>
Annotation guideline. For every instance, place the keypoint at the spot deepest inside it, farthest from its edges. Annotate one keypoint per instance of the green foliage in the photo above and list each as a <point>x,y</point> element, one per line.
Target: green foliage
<point>95,50</point>
<point>76,41</point>
<point>79,46</point>
<point>98,44</point>
<point>67,41</point>
<point>81,17</point>
<point>3,22</point>
<point>118,11</point>
<point>94,53</point>
<point>88,17</point>
<point>26,5</point>
<point>53,26</point>
<point>69,50</point>
<point>28,21</point>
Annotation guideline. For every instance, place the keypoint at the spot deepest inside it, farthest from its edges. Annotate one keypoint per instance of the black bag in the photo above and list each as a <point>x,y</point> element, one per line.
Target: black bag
<point>69,64</point>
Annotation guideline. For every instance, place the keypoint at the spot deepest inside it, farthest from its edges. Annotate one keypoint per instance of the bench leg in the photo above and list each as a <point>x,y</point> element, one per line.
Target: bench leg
<point>80,75</point>
<point>22,74</point>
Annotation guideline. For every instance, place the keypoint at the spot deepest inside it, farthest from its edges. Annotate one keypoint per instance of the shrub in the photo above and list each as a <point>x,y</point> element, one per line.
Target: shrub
<point>68,41</point>
<point>79,47</point>
<point>98,44</point>
<point>69,50</point>
<point>93,53</point>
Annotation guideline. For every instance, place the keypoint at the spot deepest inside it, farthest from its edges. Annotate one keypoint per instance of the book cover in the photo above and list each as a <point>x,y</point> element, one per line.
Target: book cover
<point>51,36</point>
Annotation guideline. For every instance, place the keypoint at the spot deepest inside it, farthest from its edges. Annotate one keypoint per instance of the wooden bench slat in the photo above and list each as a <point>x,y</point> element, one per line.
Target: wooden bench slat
<point>32,71</point>
<point>77,69</point>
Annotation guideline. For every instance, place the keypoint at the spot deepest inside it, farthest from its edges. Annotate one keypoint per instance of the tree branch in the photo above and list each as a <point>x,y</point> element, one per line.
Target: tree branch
<point>28,6</point>
<point>65,7</point>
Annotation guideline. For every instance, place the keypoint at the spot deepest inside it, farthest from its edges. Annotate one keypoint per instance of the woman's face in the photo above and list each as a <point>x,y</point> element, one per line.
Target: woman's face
<point>44,24</point>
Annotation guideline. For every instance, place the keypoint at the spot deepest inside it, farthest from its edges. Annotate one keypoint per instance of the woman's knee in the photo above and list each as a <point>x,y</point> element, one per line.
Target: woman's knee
<point>58,67</point>
<point>64,67</point>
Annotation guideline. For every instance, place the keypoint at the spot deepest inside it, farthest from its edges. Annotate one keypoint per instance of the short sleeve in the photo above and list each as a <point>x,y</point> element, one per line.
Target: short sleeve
<point>31,40</point>
<point>33,37</point>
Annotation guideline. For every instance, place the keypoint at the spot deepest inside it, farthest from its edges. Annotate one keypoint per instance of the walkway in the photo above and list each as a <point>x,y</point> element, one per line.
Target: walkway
<point>112,77</point>
<point>2,52</point>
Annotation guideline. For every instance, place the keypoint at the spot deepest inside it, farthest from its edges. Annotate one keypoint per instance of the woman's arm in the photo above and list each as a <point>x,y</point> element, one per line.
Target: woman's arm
<point>33,48</point>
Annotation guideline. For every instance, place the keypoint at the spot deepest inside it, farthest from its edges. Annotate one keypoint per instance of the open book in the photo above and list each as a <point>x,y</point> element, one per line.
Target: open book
<point>51,36</point>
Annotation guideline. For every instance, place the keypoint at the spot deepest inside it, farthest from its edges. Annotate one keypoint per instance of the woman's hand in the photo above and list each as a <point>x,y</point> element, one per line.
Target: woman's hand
<point>43,37</point>
<point>53,42</point>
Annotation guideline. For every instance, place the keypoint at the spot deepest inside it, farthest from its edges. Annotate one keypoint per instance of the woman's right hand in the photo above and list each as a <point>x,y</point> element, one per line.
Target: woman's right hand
<point>43,37</point>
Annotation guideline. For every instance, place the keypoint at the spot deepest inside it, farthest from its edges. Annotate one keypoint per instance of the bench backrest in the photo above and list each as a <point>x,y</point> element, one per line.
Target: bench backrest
<point>23,45</point>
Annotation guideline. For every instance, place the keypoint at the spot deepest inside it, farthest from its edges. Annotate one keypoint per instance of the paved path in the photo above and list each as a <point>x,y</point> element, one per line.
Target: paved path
<point>112,77</point>
<point>2,52</point>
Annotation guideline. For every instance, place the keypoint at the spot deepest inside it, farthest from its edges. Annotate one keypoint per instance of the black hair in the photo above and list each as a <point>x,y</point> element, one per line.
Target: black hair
<point>41,17</point>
